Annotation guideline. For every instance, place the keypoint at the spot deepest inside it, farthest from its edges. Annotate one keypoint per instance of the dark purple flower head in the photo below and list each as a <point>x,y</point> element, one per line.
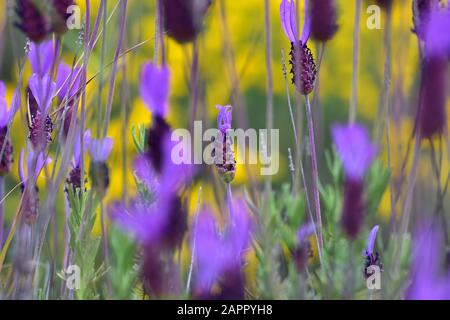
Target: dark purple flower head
<point>32,20</point>
<point>372,257</point>
<point>323,19</point>
<point>431,113</point>
<point>100,149</point>
<point>154,88</point>
<point>41,56</point>
<point>304,69</point>
<point>183,19</point>
<point>354,148</point>
<point>67,82</point>
<point>421,16</point>
<point>224,159</point>
<point>303,251</point>
<point>60,15</point>
<point>429,281</point>
<point>219,256</point>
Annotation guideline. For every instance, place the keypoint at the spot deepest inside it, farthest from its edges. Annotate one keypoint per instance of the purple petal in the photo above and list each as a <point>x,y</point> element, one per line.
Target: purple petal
<point>371,241</point>
<point>288,15</point>
<point>154,88</point>
<point>306,25</point>
<point>224,117</point>
<point>437,35</point>
<point>4,115</point>
<point>41,57</point>
<point>66,79</point>
<point>100,149</point>
<point>305,232</point>
<point>354,148</point>
<point>77,147</point>
<point>43,90</point>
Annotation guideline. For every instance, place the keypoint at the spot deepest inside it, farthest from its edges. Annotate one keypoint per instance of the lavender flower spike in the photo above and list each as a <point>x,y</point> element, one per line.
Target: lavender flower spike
<point>437,37</point>
<point>303,251</point>
<point>154,88</point>
<point>357,153</point>
<point>43,90</point>
<point>41,57</point>
<point>355,149</point>
<point>372,258</point>
<point>224,159</point>
<point>304,69</point>
<point>100,149</point>
<point>429,281</point>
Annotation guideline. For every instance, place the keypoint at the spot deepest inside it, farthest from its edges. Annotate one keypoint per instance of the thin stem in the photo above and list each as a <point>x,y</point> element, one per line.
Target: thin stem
<point>354,101</point>
<point>194,243</point>
<point>230,204</point>
<point>269,111</point>
<point>315,170</point>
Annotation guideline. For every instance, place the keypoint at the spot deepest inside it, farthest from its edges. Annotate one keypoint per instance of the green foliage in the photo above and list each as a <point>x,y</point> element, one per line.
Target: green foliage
<point>138,135</point>
<point>123,268</point>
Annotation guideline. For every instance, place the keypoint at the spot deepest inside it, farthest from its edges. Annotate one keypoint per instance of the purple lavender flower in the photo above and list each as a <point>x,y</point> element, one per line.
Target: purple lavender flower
<point>32,21</point>
<point>183,19</point>
<point>41,93</point>
<point>67,81</point>
<point>159,226</point>
<point>99,171</point>
<point>323,20</point>
<point>431,113</point>
<point>220,256</point>
<point>30,203</point>
<point>303,251</point>
<point>74,178</point>
<point>6,117</point>
<point>41,56</point>
<point>302,61</point>
<point>154,88</point>
<point>101,149</point>
<point>428,281</point>
<point>357,153</point>
<point>372,258</point>
<point>224,159</point>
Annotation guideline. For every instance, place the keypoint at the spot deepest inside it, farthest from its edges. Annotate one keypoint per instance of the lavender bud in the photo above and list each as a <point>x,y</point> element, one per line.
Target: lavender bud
<point>431,114</point>
<point>323,19</point>
<point>183,19</point>
<point>32,21</point>
<point>223,152</point>
<point>304,69</point>
<point>353,211</point>
<point>155,142</point>
<point>99,173</point>
<point>74,180</point>
<point>421,14</point>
